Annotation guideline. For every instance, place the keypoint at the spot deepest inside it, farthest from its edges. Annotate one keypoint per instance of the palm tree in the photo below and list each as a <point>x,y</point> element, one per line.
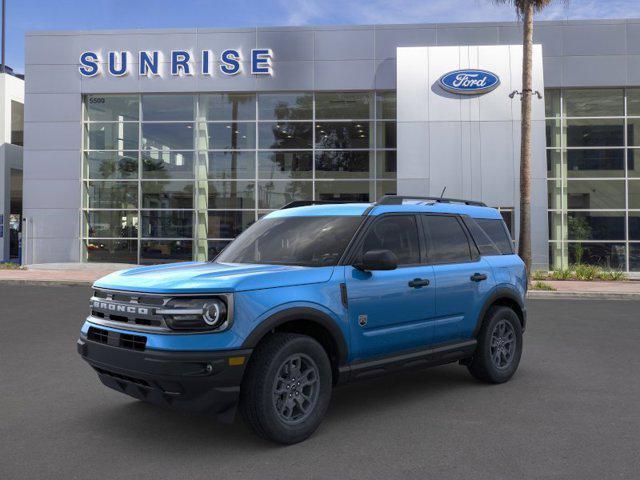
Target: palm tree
<point>525,10</point>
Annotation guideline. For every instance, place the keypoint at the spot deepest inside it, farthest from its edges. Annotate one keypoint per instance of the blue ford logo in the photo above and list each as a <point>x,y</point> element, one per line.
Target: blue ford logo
<point>469,82</point>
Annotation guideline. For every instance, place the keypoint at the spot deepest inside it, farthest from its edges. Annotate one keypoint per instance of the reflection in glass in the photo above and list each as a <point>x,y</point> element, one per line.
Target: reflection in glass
<point>289,135</point>
<point>595,163</point>
<point>165,251</point>
<point>347,105</point>
<point>633,102</point>
<point>596,225</point>
<point>387,164</point>
<point>552,102</point>
<point>111,224</point>
<point>122,195</point>
<point>386,135</point>
<point>167,224</point>
<point>554,164</point>
<point>111,136</point>
<point>595,133</point>
<point>634,257</point>
<point>169,194</point>
<point>633,162</point>
<point>168,107</point>
<point>228,224</point>
<point>285,106</point>
<point>554,133</point>
<point>276,194</point>
<point>386,187</point>
<point>167,136</point>
<point>285,165</point>
<point>360,191</point>
<point>233,195</point>
<point>167,164</point>
<point>229,164</point>
<point>227,106</point>
<point>111,165</point>
<point>634,194</point>
<point>610,256</point>
<point>227,136</point>
<point>386,105</point>
<point>111,108</point>
<point>600,102</point>
<point>555,200</point>
<point>342,135</point>
<point>215,247</point>
<point>633,132</point>
<point>112,251</point>
<point>634,225</point>
<point>557,229</point>
<point>343,164</point>
<point>595,194</point>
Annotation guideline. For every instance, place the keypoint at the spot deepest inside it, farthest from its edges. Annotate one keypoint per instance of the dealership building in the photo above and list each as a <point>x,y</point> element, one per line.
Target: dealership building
<point>148,146</point>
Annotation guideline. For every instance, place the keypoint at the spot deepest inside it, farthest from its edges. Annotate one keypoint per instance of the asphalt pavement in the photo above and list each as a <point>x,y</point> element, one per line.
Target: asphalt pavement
<point>571,412</point>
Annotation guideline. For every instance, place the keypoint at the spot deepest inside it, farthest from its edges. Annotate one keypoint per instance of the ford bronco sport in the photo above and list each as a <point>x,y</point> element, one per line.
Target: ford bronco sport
<point>310,297</point>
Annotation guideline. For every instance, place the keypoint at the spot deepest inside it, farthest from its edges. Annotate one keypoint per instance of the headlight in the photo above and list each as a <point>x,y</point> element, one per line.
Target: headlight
<point>196,313</point>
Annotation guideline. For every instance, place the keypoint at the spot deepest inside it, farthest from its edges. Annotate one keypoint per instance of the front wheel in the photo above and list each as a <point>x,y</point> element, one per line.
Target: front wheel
<point>287,388</point>
<point>499,346</point>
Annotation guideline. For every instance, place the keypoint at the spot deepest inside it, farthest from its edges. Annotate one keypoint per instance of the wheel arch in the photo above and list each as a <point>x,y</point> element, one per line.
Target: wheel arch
<point>503,296</point>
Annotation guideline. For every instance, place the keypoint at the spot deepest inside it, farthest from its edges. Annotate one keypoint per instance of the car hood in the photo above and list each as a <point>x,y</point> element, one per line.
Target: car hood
<point>207,277</point>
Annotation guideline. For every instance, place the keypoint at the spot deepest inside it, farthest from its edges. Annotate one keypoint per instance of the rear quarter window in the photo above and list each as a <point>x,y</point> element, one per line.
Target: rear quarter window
<point>497,231</point>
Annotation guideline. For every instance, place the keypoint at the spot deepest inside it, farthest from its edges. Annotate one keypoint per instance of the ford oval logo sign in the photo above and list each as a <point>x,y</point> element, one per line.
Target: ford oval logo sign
<point>469,82</point>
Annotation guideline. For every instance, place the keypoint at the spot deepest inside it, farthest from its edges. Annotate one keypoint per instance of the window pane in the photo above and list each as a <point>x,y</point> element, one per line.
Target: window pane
<point>595,194</point>
<point>595,163</point>
<point>167,194</point>
<point>554,164</point>
<point>634,225</point>
<point>398,234</point>
<point>111,136</point>
<point>165,251</point>
<point>552,103</point>
<point>168,107</point>
<point>215,247</point>
<point>386,136</point>
<point>289,135</point>
<point>633,132</point>
<point>343,164</point>
<point>343,135</point>
<point>112,251</point>
<point>350,105</point>
<point>229,164</point>
<point>633,162</point>
<point>285,165</point>
<point>167,136</point>
<point>111,108</point>
<point>345,191</point>
<point>17,123</point>
<point>107,224</point>
<point>167,164</point>
<point>228,224</point>
<point>599,102</point>
<point>227,106</point>
<point>507,217</point>
<point>496,231</point>
<point>111,165</point>
<point>611,256</point>
<point>554,191</point>
<point>634,257</point>
<point>633,101</point>
<point>596,225</point>
<point>273,195</point>
<point>556,231</point>
<point>554,133</point>
<point>386,187</point>
<point>634,194</point>
<point>227,136</point>
<point>386,105</point>
<point>173,224</point>
<point>446,240</point>
<point>285,106</point>
<point>122,195</point>
<point>387,164</point>
<point>595,133</point>
<point>232,195</point>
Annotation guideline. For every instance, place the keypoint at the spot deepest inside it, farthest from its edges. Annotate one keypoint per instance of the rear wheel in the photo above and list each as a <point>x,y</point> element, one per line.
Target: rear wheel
<point>287,388</point>
<point>499,346</point>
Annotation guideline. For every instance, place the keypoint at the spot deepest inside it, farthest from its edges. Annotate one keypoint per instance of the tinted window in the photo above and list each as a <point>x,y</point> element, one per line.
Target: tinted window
<point>486,245</point>
<point>305,241</point>
<point>398,234</point>
<point>446,240</point>
<point>497,232</point>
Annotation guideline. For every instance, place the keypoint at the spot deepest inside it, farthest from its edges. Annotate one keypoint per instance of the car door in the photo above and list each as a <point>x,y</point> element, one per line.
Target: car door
<point>463,278</point>
<point>390,310</point>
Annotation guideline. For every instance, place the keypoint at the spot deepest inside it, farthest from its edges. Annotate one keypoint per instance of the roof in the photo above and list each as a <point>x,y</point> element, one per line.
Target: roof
<point>357,209</point>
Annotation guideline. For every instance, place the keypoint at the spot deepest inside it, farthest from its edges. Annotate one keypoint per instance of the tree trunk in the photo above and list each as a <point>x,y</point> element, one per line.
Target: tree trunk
<point>524,243</point>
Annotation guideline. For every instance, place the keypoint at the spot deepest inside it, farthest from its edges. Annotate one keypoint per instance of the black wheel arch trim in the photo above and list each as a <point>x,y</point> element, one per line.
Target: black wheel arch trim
<point>296,314</point>
<point>498,294</point>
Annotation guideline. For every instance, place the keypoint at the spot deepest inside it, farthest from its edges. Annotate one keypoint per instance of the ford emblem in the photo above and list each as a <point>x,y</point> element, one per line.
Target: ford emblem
<point>469,82</point>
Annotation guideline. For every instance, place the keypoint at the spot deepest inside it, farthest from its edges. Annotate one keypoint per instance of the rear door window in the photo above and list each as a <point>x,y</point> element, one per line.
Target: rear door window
<point>398,233</point>
<point>497,232</point>
<point>447,241</point>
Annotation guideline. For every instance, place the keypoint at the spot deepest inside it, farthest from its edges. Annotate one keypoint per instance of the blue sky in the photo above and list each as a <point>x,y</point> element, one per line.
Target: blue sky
<point>25,15</point>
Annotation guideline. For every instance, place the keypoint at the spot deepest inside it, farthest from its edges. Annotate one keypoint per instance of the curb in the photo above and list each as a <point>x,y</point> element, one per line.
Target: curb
<point>544,295</point>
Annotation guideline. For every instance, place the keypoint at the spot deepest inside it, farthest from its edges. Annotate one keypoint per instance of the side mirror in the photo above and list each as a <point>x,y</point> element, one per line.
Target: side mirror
<point>378,260</point>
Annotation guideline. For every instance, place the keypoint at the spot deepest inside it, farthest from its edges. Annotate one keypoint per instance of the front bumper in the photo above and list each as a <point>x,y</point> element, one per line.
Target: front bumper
<point>207,382</point>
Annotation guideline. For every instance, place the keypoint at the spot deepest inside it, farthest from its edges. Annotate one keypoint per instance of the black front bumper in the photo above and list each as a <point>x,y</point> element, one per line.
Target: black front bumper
<point>196,381</point>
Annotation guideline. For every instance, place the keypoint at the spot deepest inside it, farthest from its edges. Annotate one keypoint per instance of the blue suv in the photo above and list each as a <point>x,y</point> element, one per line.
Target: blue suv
<point>311,296</point>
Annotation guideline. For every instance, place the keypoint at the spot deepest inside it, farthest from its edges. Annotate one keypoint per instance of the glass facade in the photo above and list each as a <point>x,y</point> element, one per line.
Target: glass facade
<point>171,177</point>
<point>593,174</point>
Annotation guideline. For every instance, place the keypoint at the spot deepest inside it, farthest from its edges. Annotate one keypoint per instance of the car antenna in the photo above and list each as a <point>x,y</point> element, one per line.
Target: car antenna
<point>442,194</point>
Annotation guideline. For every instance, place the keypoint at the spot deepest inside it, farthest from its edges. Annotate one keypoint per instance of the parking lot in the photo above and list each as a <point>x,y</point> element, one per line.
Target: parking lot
<point>572,410</point>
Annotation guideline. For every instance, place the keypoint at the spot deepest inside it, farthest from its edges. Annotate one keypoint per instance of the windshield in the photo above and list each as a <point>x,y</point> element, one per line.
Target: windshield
<point>304,241</point>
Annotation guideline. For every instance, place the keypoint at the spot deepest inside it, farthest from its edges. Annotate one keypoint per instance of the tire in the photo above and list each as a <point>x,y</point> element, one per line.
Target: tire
<point>495,359</point>
<point>275,404</point>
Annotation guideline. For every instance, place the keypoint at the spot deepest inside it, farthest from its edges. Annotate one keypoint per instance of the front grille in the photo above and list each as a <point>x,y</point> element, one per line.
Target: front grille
<point>129,308</point>
<point>115,339</point>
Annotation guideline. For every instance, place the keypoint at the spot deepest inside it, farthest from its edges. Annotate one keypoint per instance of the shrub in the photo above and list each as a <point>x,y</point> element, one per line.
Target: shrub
<point>587,272</point>
<point>612,275</point>
<point>10,266</point>
<point>543,286</point>
<point>562,274</point>
<point>539,275</point>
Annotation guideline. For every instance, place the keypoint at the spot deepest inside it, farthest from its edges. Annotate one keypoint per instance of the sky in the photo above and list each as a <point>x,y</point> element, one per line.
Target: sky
<point>26,15</point>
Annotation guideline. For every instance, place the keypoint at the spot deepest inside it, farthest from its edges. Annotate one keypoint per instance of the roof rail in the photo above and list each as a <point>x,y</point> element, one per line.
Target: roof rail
<point>306,203</point>
<point>398,200</point>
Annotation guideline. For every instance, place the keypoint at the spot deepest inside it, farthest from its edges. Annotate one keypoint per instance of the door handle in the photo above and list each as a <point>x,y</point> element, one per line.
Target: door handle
<point>418,282</point>
<point>478,277</point>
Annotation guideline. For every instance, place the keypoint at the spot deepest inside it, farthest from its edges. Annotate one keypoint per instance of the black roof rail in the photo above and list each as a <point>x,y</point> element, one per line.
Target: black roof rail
<point>398,200</point>
<point>306,203</point>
